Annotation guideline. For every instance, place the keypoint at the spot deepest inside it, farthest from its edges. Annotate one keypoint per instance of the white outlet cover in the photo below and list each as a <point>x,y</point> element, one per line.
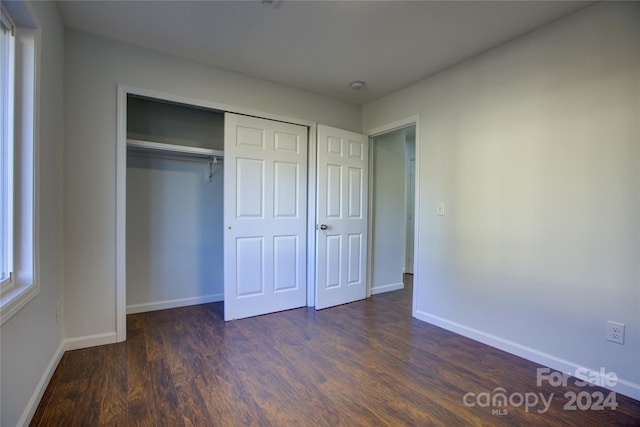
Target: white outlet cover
<point>615,332</point>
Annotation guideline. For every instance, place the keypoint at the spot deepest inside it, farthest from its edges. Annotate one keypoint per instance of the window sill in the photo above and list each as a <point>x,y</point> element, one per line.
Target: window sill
<point>15,298</point>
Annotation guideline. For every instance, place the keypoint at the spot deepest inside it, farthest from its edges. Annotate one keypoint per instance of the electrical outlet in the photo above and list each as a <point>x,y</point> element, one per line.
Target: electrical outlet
<point>615,332</point>
<point>58,311</point>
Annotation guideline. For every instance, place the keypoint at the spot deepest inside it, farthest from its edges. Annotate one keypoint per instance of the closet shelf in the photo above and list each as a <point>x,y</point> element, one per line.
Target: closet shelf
<point>138,145</point>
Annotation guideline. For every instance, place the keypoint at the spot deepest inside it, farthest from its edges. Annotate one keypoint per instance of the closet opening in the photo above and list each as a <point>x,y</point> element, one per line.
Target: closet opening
<point>174,204</point>
<point>170,167</point>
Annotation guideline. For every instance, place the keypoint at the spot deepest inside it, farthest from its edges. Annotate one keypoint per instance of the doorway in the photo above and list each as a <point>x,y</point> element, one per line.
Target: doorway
<point>393,205</point>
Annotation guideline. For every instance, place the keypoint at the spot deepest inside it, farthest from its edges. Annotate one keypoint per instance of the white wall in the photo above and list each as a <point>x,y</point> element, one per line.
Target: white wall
<point>534,147</point>
<point>93,68</point>
<point>174,233</point>
<point>156,121</point>
<point>32,340</point>
<point>388,237</point>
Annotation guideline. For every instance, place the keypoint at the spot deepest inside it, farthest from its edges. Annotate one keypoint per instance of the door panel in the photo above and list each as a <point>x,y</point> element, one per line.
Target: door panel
<point>333,196</point>
<point>355,259</point>
<point>265,214</point>
<point>286,190</point>
<point>342,206</point>
<point>332,267</point>
<point>249,266</point>
<point>285,250</point>
<point>355,193</point>
<point>249,188</point>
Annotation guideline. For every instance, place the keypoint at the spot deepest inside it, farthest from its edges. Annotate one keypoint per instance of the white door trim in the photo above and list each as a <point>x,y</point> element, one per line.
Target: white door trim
<point>311,216</point>
<point>407,194</point>
<point>390,127</point>
<point>121,186</point>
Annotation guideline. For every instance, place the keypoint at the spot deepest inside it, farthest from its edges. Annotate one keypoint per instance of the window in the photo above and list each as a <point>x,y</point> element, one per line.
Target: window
<point>6,152</point>
<point>18,148</point>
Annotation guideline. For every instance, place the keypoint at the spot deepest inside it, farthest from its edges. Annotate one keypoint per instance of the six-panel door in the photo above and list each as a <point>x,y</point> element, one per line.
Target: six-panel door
<point>265,214</point>
<point>342,206</point>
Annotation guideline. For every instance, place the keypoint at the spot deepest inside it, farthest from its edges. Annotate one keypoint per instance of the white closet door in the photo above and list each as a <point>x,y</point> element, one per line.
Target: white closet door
<point>342,217</point>
<point>265,213</point>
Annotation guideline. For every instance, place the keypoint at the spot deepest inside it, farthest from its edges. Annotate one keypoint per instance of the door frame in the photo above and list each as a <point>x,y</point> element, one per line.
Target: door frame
<point>121,187</point>
<point>407,193</point>
<point>372,133</point>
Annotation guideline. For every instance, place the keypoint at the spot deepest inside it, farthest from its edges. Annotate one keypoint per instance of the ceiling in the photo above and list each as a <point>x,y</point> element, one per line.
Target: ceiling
<point>319,46</point>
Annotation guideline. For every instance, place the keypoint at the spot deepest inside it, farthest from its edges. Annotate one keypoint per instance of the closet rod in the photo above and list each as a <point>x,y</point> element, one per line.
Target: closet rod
<point>180,150</point>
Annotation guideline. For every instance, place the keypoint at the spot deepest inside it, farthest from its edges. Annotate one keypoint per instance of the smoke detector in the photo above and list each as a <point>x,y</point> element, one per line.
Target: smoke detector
<point>357,85</point>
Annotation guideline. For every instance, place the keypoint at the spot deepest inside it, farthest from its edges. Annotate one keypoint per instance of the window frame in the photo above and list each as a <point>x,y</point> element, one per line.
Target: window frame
<point>21,218</point>
<point>7,55</point>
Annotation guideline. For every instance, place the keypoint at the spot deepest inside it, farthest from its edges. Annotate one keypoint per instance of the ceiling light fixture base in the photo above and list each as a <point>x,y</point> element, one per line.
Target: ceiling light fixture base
<point>357,85</point>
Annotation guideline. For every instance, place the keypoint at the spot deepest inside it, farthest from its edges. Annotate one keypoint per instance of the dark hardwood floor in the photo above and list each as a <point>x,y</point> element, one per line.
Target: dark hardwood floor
<point>365,363</point>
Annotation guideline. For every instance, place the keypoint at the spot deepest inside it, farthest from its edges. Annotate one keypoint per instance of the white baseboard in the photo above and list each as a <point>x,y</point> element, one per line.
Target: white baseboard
<point>622,386</point>
<point>163,305</point>
<point>89,341</point>
<point>31,407</point>
<point>387,288</point>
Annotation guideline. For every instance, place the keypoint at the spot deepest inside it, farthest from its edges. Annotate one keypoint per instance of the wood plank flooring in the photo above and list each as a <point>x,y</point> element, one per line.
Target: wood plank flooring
<point>362,364</point>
